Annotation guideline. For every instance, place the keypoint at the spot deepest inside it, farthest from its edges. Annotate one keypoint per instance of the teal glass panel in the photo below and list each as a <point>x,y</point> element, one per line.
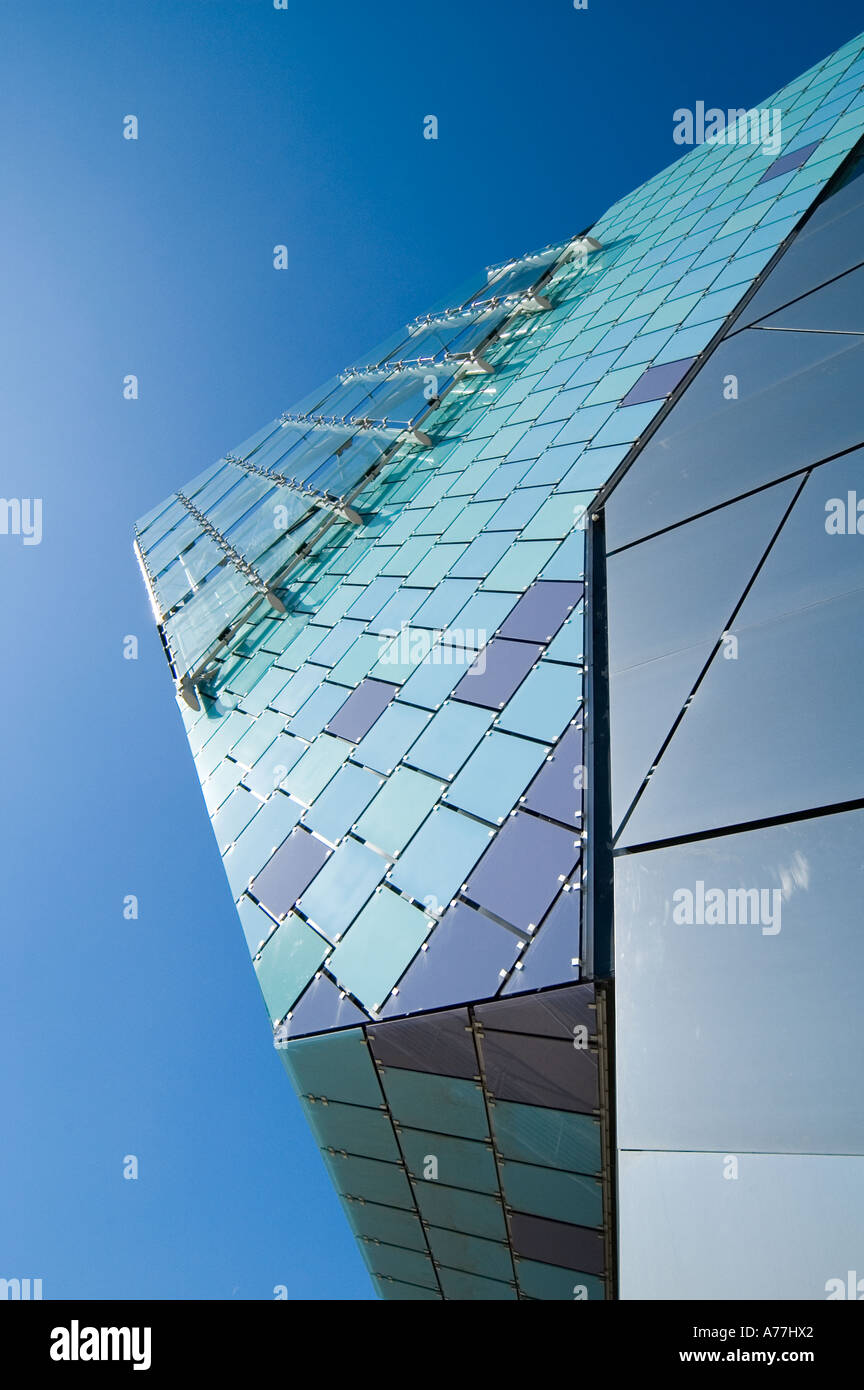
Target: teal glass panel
<point>342,801</point>
<point>343,885</point>
<point>482,615</point>
<point>437,562</point>
<point>372,598</point>
<point>381,942</point>
<point>397,1290</point>
<point>470,520</point>
<point>553,1194</point>
<point>557,517</point>
<point>545,702</point>
<point>287,963</point>
<point>439,858</point>
<point>389,1224</point>
<point>400,654</point>
<point>496,774</point>
<point>313,771</point>
<point>408,1266</point>
<point>272,768</point>
<point>357,661</point>
<point>520,566</point>
<point>449,737</point>
<point>483,554</point>
<point>458,1162</point>
<point>568,562</point>
<point>371,1179</point>
<point>473,1287</point>
<point>398,810</point>
<point>551,1282</point>
<point>390,737</point>
<point>256,925</point>
<point>409,554</point>
<point>517,509</point>
<point>473,1254</point>
<point>297,689</point>
<point>398,610</point>
<point>334,641</point>
<point>356,1129</point>
<point>554,1138</point>
<point>446,1104</point>
<point>454,1209</point>
<point>233,816</point>
<point>338,1066</point>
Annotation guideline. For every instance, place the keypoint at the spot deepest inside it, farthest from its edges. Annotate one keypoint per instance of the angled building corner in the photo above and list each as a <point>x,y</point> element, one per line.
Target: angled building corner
<point>487,656</point>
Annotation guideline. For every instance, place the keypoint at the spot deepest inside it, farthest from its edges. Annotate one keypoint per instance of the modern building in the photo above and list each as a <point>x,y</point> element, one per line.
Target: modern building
<point>522,666</point>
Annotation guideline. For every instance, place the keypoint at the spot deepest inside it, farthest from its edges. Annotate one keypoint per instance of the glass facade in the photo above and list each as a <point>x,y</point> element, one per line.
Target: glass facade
<point>498,659</point>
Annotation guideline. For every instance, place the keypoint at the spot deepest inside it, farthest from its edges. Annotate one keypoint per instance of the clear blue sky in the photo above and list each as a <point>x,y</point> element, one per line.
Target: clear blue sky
<point>154,257</point>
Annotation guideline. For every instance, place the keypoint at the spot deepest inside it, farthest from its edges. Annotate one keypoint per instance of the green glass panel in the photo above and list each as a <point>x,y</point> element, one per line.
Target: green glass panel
<point>551,1193</point>
<point>473,1287</point>
<point>398,810</point>
<point>338,1066</point>
<point>389,1224</point>
<point>343,885</point>
<point>353,1128</point>
<point>398,1291</point>
<point>369,1178</point>
<point>458,1162</point>
<point>378,947</point>
<point>539,1135</point>
<point>489,1258</point>
<point>411,1266</point>
<point>474,1213</point>
<point>557,517</point>
<point>422,1100</point>
<point>310,775</point>
<point>287,963</point>
<point>549,1281</point>
<point>357,661</point>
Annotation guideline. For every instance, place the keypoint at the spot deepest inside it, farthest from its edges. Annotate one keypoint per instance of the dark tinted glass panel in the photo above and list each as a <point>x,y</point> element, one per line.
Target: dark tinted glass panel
<point>523,870</point>
<point>714,1012</point>
<point>441,1042</point>
<point>466,957</point>
<point>554,1243</point>
<point>797,403</point>
<point>557,789</point>
<point>556,1138</point>
<point>787,162</point>
<point>361,709</point>
<point>292,868</point>
<point>497,673</point>
<point>541,611</point>
<point>658,381</point>
<point>837,307</point>
<point>320,1008</point>
<point>554,1014</point>
<point>540,1071</point>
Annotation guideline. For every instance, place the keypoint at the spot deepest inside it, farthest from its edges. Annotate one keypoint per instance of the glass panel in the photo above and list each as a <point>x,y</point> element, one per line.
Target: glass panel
<point>313,771</point>
<point>385,1223</point>
<point>339,1067</point>
<point>471,1212</point>
<point>390,737</point>
<point>546,1192</point>
<point>449,738</point>
<point>442,1043</point>
<point>548,1282</point>
<point>497,673</point>
<point>837,307</point>
<point>539,1071</point>
<point>258,841</point>
<point>439,857</point>
<point>192,631</point>
<point>554,955</point>
<point>444,1104</point>
<point>388,1262</point>
<point>791,1227</point>
<point>398,810</point>
<point>500,883</point>
<point>375,951</point>
<point>552,1242</point>
<point>342,887</point>
<point>540,612</point>
<point>713,994</point>
<point>795,406</point>
<point>473,1287</point>
<point>339,805</point>
<point>521,565</point>
<point>556,791</point>
<point>545,703</point>
<point>354,1128</point>
<point>321,1007</point>
<point>360,711</point>
<point>370,1179</point>
<point>488,1258</point>
<point>462,1162</point>
<point>494,776</point>
<point>292,868</point>
<point>658,382</point>
<point>554,1014</point>
<point>553,1138</point>
<point>465,958</point>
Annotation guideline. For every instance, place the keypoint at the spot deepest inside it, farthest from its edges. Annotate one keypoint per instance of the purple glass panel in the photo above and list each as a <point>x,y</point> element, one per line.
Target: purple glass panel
<point>442,1043</point>
<point>553,1015</point>
<point>540,1071</point>
<point>549,960</point>
<point>554,792</point>
<point>523,870</point>
<point>463,961</point>
<point>359,712</point>
<point>541,610</point>
<point>555,1243</point>
<point>320,1009</point>
<point>497,673</point>
<point>658,382</point>
<point>793,159</point>
<point>289,872</point>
